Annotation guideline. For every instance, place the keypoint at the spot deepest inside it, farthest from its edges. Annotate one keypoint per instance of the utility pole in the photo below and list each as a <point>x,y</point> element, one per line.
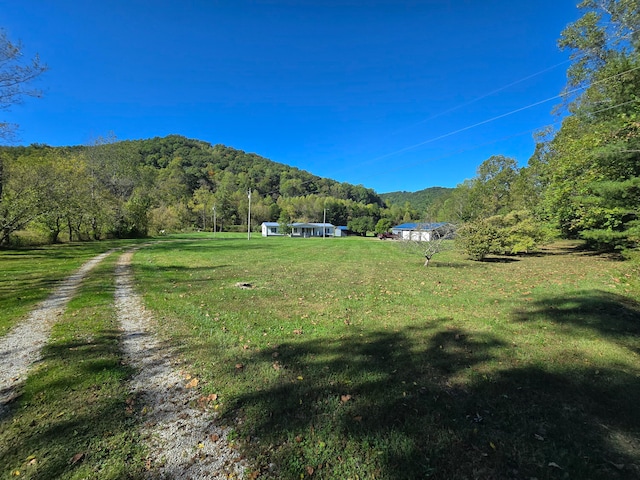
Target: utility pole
<point>324,223</point>
<point>214,219</point>
<point>249,218</point>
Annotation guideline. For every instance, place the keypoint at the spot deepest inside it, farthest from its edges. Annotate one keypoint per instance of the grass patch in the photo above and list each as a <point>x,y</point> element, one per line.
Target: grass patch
<point>27,276</point>
<point>72,419</point>
<point>346,358</point>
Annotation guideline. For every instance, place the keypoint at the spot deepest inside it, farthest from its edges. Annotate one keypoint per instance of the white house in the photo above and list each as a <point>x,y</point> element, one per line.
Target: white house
<point>422,232</point>
<point>271,229</point>
<point>306,230</point>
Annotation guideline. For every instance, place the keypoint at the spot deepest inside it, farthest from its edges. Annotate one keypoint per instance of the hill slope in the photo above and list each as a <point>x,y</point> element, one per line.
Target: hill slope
<point>420,200</point>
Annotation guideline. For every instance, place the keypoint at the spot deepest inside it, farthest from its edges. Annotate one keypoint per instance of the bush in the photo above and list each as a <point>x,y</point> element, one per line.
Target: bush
<point>513,233</point>
<point>478,239</point>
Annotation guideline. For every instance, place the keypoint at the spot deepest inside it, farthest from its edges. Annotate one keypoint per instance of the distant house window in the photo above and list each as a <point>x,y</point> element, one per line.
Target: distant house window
<point>274,229</point>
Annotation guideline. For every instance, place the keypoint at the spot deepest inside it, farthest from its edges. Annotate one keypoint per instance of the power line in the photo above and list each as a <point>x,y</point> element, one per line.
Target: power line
<point>488,94</point>
<point>432,159</point>
<point>497,117</point>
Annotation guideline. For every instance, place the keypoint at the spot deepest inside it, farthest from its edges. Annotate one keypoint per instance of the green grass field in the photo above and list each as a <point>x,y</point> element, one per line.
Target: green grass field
<point>28,275</point>
<point>346,358</point>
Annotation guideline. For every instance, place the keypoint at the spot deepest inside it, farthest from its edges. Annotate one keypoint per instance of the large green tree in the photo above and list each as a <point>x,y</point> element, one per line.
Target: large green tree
<point>591,166</point>
<point>16,75</point>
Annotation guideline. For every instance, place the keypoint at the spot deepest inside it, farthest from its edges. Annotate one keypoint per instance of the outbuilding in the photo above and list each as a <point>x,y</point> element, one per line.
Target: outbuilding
<point>422,232</point>
<point>271,229</point>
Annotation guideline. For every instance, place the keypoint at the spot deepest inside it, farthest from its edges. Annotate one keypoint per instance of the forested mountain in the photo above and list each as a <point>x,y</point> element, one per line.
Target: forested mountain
<point>420,200</point>
<point>132,188</point>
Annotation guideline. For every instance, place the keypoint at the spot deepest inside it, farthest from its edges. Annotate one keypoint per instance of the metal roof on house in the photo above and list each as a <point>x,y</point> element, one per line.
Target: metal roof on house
<point>306,224</point>
<point>299,224</point>
<point>419,226</point>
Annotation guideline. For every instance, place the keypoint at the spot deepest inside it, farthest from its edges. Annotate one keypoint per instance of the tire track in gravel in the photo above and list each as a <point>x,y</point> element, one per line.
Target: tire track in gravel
<point>184,441</point>
<point>22,346</point>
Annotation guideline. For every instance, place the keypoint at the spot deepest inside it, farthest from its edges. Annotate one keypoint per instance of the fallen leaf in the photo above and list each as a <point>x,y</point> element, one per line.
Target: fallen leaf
<point>298,438</point>
<point>239,366</point>
<point>76,458</point>
<point>345,398</point>
<point>300,377</point>
<point>555,465</point>
<point>310,470</point>
<point>214,437</point>
<point>193,383</point>
<point>297,331</point>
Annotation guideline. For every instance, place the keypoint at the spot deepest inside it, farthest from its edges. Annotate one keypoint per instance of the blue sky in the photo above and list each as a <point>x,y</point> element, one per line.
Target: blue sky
<point>394,95</point>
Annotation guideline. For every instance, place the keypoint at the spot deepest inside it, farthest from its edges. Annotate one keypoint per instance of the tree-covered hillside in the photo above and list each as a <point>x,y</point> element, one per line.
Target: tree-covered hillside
<point>133,188</point>
<point>420,200</point>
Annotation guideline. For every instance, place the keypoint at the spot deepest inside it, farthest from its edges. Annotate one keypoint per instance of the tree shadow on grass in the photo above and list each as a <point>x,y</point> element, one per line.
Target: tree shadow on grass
<point>615,317</point>
<point>500,259</point>
<point>432,403</point>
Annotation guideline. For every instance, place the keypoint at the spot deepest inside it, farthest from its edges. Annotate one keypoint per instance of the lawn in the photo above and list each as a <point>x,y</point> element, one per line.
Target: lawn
<point>346,358</point>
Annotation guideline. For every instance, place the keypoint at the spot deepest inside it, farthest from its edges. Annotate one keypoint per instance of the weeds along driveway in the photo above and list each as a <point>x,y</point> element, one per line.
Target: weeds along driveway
<point>184,440</point>
<point>21,347</point>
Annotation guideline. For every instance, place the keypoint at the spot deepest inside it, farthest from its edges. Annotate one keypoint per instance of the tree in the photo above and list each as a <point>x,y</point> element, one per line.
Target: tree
<point>25,196</point>
<point>362,225</point>
<point>429,242</point>
<point>592,163</point>
<point>512,233</point>
<point>15,76</point>
<point>478,238</point>
<point>202,204</point>
<point>383,225</point>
